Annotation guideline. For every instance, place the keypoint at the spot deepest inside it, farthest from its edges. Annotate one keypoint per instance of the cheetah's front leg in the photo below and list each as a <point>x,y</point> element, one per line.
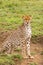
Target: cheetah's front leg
<point>28,49</point>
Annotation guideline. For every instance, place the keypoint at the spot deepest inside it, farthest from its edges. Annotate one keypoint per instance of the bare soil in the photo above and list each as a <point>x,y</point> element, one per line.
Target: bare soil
<point>36,49</point>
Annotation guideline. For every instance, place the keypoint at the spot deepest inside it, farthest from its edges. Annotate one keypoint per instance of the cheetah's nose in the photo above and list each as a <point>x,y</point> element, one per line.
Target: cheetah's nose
<point>27,22</point>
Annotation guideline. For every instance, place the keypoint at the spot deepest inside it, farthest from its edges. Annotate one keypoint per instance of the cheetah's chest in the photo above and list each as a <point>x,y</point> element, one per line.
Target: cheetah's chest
<point>28,31</point>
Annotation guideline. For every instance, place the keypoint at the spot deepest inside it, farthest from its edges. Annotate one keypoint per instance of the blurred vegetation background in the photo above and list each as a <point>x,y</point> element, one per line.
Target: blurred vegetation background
<point>11,12</point>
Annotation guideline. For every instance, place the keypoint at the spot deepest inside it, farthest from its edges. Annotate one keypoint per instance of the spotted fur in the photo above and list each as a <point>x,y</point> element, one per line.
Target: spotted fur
<point>18,37</point>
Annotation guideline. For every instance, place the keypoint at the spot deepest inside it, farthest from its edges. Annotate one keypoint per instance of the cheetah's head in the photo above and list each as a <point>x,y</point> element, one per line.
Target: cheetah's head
<point>27,19</point>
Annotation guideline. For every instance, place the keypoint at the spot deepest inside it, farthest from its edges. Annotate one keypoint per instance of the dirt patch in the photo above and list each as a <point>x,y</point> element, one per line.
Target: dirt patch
<point>37,48</point>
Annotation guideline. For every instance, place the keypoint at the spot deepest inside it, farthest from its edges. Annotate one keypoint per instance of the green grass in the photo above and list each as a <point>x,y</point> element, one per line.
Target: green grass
<point>32,63</point>
<point>9,59</point>
<point>11,12</point>
<point>6,60</point>
<point>33,53</point>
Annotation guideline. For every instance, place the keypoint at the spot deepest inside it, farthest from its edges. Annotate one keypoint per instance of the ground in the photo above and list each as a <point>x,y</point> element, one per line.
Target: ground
<point>36,50</point>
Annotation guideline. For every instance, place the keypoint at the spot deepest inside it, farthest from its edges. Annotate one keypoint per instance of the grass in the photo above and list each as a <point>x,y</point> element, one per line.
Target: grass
<point>33,63</point>
<point>33,53</point>
<point>4,59</point>
<point>9,59</point>
<point>11,12</point>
